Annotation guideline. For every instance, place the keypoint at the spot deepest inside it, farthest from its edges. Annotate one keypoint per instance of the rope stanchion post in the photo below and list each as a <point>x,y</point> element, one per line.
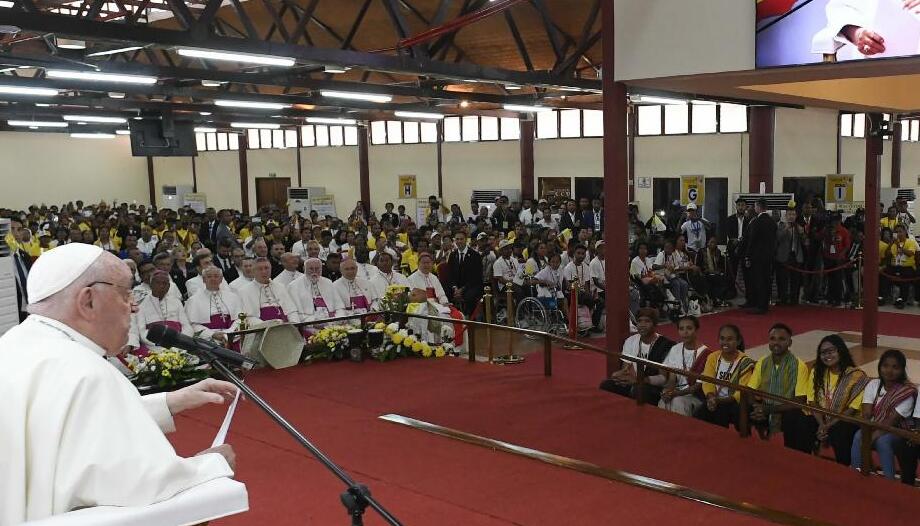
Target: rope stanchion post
<point>487,299</point>
<point>471,341</point>
<point>573,315</point>
<point>510,358</point>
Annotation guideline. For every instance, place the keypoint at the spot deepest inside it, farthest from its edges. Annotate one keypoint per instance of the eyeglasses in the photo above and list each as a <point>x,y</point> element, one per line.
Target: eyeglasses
<point>133,295</point>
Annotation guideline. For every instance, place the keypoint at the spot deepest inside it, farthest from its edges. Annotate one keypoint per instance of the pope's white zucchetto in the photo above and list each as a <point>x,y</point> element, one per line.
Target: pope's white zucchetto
<point>58,268</point>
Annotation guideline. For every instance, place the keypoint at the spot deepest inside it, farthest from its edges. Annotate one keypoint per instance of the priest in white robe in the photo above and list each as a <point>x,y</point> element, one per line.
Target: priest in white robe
<point>356,294</point>
<point>74,431</point>
<point>314,295</point>
<point>263,300</point>
<point>159,308</point>
<point>245,275</point>
<point>424,279</point>
<point>430,331</point>
<point>196,284</point>
<point>291,264</point>
<point>386,276</point>
<point>213,312</point>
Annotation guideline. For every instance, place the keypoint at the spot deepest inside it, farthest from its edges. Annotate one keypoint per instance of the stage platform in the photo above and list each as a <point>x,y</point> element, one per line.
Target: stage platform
<point>429,479</point>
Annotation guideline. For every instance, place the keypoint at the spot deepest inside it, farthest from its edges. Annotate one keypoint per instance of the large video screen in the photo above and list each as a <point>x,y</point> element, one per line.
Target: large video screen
<point>793,32</point>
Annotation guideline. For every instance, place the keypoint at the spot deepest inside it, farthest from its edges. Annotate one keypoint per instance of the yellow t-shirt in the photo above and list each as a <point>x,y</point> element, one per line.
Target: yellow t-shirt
<point>371,243</point>
<point>711,370</point>
<point>11,241</point>
<point>32,248</point>
<point>903,260</point>
<point>410,258</point>
<point>888,223</point>
<point>245,233</point>
<point>801,375</point>
<point>83,227</point>
<point>830,383</point>
<point>882,251</point>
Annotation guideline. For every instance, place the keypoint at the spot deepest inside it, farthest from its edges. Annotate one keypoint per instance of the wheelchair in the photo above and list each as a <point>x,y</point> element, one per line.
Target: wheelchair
<point>541,314</point>
<point>656,296</point>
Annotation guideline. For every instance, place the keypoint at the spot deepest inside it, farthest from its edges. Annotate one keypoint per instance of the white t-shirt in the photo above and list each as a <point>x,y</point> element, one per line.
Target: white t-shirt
<point>875,391</point>
<point>696,234</point>
<point>681,358</point>
<point>580,273</point>
<point>549,275</point>
<point>598,266</point>
<point>634,346</point>
<point>724,372</point>
<point>506,268</point>
<point>640,268</point>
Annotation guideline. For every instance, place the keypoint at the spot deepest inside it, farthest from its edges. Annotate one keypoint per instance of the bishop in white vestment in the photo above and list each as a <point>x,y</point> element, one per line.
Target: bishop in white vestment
<point>263,300</point>
<point>314,294</point>
<point>214,312</point>
<point>356,294</point>
<point>159,308</point>
<point>424,279</point>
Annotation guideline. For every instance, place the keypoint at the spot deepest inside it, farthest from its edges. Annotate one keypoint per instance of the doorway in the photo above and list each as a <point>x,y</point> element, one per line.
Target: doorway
<point>272,191</point>
<point>590,187</point>
<point>715,205</point>
<point>804,188</point>
<point>665,190</point>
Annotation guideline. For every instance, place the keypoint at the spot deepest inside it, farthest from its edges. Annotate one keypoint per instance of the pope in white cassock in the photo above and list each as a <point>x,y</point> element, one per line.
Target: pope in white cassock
<point>314,294</point>
<point>355,293</point>
<point>264,300</point>
<point>160,308</point>
<point>214,312</point>
<point>74,432</point>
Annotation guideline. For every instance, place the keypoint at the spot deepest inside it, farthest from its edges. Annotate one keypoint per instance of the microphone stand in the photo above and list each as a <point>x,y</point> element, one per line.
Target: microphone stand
<point>356,497</point>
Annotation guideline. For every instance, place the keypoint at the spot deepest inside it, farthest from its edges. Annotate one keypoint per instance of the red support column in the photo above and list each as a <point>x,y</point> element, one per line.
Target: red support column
<point>364,171</point>
<point>616,191</point>
<point>151,182</point>
<point>761,148</point>
<point>895,153</point>
<point>874,145</point>
<point>527,138</point>
<point>244,174</point>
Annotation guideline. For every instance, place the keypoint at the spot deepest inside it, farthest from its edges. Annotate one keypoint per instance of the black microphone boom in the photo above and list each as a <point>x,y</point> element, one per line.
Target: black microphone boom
<point>168,337</point>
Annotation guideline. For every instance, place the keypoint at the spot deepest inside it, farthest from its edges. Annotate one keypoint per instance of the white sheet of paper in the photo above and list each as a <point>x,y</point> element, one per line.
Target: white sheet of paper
<point>221,436</point>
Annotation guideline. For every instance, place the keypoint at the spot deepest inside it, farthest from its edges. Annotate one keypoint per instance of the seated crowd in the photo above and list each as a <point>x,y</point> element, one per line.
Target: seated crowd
<point>834,383</point>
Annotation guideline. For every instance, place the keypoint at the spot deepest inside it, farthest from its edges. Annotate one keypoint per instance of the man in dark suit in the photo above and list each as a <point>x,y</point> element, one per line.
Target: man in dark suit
<point>207,234</point>
<point>593,218</point>
<point>759,251</point>
<point>390,216</point>
<point>464,281</point>
<point>571,218</point>
<point>222,258</point>
<point>223,233</point>
<point>22,263</point>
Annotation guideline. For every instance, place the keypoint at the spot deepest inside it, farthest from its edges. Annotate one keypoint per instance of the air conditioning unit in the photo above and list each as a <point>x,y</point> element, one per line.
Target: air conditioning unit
<point>888,195</point>
<point>774,201</point>
<point>173,196</point>
<point>487,197</point>
<point>9,308</point>
<point>299,198</point>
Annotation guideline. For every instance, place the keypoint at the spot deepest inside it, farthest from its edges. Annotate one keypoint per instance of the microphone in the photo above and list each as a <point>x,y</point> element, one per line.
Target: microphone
<point>168,337</point>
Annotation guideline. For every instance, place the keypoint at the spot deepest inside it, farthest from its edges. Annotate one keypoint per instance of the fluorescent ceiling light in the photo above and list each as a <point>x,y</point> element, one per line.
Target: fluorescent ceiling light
<point>418,115</point>
<point>204,113</point>
<point>511,87</point>
<point>116,95</point>
<point>265,60</point>
<point>648,99</point>
<point>257,125</point>
<point>39,124</point>
<point>211,83</point>
<point>326,120</point>
<point>93,135</point>
<point>703,102</point>
<point>28,90</point>
<point>114,51</point>
<point>525,109</point>
<point>69,43</point>
<point>122,132</point>
<point>101,77</point>
<point>95,118</point>
<point>334,69</point>
<point>6,3</point>
<point>370,97</point>
<point>251,104</point>
<point>205,130</point>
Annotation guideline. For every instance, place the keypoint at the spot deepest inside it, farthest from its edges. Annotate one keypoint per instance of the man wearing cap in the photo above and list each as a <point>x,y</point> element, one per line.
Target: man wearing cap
<point>694,229</point>
<point>76,433</point>
<point>646,344</point>
<point>506,268</point>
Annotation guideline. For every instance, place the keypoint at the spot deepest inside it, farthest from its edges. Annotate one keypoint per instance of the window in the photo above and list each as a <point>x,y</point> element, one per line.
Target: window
<point>547,124</point>
<point>488,127</point>
<point>859,125</point>
<point>290,138</point>
<point>676,119</point>
<point>593,123</point>
<point>732,118</point>
<point>649,120</point>
<point>704,117</point>
<point>394,132</point>
<point>307,138</point>
<point>429,132</point>
<point>265,137</point>
<point>915,131</point>
<point>254,142</point>
<point>511,128</point>
<point>336,137</point>
<point>322,134</point>
<point>222,141</point>
<point>201,142</point>
<point>378,132</point>
<point>411,132</point>
<point>570,123</point>
<point>846,125</point>
<point>234,141</point>
<point>211,141</point>
<point>452,129</point>
<point>351,136</point>
<point>470,128</point>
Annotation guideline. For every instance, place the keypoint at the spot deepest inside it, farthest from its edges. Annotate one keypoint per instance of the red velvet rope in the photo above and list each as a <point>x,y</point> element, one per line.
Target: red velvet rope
<point>848,264</point>
<point>898,279</point>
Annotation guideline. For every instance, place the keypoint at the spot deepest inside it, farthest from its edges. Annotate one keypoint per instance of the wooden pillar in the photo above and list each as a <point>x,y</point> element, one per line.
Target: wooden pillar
<point>761,148</point>
<point>244,174</point>
<point>194,176</point>
<point>440,146</point>
<point>151,182</point>
<point>615,193</point>
<point>526,142</point>
<point>364,171</point>
<point>895,152</point>
<point>874,145</point>
<point>299,167</point>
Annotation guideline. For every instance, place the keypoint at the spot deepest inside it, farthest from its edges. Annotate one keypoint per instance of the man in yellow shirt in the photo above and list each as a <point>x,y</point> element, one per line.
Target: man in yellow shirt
<point>890,221</point>
<point>902,264</point>
<point>779,373</point>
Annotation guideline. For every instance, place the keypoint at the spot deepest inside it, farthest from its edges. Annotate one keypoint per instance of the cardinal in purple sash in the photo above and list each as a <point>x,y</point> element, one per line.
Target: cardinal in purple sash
<point>212,311</point>
<point>357,294</point>
<point>263,300</point>
<point>161,308</point>
<point>314,295</point>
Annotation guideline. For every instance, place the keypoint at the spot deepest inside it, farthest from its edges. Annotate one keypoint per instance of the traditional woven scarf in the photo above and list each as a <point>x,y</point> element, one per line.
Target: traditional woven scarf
<point>852,383</point>
<point>778,377</point>
<point>890,401</point>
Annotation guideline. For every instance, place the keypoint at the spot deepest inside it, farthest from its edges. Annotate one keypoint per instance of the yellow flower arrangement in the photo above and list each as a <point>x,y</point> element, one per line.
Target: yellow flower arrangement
<point>439,352</point>
<point>166,368</point>
<point>417,347</point>
<point>426,351</point>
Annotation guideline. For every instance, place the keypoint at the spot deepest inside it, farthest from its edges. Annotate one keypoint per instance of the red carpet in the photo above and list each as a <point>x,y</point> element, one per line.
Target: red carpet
<point>425,479</point>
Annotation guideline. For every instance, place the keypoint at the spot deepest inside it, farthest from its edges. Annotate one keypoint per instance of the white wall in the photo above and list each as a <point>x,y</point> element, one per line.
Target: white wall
<point>663,38</point>
<point>805,144</point>
<point>270,163</point>
<point>336,169</point>
<point>388,162</point>
<point>479,166</point>
<point>218,176</point>
<point>52,168</point>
